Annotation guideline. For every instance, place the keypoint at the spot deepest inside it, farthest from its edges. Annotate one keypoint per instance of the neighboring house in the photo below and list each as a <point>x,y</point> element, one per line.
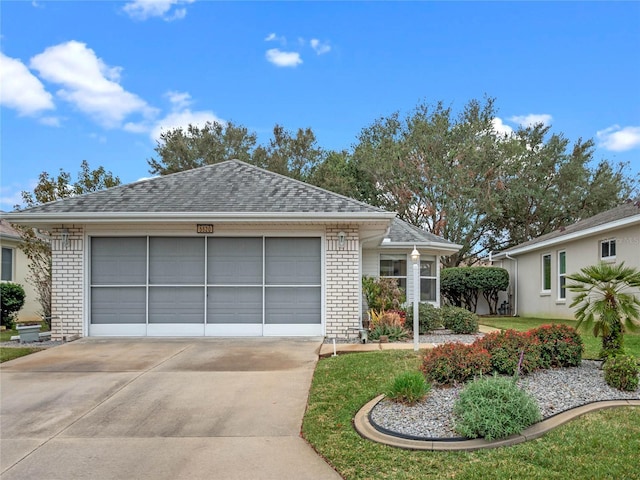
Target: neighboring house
<point>15,269</point>
<point>223,250</point>
<point>538,268</point>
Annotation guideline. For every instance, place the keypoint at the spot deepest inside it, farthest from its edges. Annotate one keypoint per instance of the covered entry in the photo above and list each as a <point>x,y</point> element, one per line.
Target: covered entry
<point>214,286</point>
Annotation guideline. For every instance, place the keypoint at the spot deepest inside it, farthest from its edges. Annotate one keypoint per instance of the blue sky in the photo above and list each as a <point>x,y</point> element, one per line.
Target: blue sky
<point>97,81</point>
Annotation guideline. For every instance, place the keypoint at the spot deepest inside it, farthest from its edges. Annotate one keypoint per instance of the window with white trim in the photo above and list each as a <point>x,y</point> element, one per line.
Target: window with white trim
<point>608,249</point>
<point>394,266</point>
<point>562,273</point>
<point>546,272</point>
<point>7,265</point>
<point>427,280</point>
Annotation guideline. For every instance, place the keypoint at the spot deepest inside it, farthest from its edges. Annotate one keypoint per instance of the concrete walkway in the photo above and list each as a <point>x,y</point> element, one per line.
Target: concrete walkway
<point>160,409</point>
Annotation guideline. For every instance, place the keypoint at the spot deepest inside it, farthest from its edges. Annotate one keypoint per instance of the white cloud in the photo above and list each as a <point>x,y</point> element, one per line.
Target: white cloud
<point>271,37</point>
<point>50,121</point>
<point>619,139</point>
<point>88,83</point>
<point>144,9</point>
<point>500,128</point>
<point>532,119</point>
<point>319,47</point>
<point>283,59</point>
<point>179,100</point>
<point>21,90</point>
<point>183,119</point>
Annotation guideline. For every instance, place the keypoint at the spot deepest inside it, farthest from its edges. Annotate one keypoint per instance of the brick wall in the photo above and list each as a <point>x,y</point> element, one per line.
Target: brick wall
<point>342,281</point>
<point>67,295</point>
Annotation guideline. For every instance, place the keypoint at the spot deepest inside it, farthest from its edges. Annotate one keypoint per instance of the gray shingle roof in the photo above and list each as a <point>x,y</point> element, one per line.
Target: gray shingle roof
<point>403,232</point>
<point>7,230</point>
<point>227,187</point>
<point>626,210</point>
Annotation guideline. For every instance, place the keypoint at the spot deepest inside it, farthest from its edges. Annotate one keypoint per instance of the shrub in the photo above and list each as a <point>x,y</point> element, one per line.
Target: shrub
<point>560,346</point>
<point>461,286</point>
<point>451,363</point>
<point>512,351</point>
<point>494,407</point>
<point>11,301</point>
<point>394,332</point>
<point>408,387</point>
<point>459,320</point>
<point>382,293</point>
<point>429,317</point>
<point>621,372</point>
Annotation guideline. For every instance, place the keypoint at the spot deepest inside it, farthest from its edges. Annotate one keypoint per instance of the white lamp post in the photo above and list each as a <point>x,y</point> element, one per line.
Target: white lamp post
<point>415,258</point>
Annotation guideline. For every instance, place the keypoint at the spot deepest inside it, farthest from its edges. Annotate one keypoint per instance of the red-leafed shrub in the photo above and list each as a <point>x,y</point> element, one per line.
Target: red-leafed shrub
<point>560,345</point>
<point>511,351</point>
<point>452,363</point>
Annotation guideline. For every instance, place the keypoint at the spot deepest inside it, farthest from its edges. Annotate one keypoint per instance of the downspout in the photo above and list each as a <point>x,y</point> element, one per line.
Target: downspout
<point>515,287</point>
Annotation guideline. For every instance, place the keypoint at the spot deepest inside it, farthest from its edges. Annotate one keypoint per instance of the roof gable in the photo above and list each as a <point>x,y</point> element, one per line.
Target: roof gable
<point>227,187</point>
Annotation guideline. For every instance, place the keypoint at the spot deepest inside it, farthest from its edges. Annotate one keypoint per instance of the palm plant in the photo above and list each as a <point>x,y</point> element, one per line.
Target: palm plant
<point>608,302</point>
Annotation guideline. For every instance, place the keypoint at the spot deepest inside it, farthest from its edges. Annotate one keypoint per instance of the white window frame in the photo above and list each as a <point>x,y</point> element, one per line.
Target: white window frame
<point>562,276</point>
<point>12,267</point>
<point>609,242</point>
<point>543,289</point>
<point>396,256</point>
<point>433,276</point>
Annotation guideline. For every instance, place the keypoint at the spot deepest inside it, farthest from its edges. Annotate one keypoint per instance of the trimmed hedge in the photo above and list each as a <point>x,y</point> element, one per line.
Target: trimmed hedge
<point>560,345</point>
<point>512,351</point>
<point>452,363</point>
<point>429,318</point>
<point>459,320</point>
<point>461,286</point>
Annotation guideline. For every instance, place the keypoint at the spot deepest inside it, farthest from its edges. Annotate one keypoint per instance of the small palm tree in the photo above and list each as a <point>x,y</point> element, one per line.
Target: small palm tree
<point>608,302</point>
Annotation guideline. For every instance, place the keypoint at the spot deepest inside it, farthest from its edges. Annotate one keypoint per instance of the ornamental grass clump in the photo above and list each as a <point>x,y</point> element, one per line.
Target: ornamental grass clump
<point>512,352</point>
<point>408,387</point>
<point>621,372</point>
<point>452,363</point>
<point>560,345</point>
<point>493,408</point>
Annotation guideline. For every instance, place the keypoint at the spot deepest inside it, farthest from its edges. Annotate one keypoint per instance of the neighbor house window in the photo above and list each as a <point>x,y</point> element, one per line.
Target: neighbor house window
<point>546,273</point>
<point>7,265</point>
<point>427,280</point>
<point>608,249</point>
<point>562,273</point>
<point>394,266</point>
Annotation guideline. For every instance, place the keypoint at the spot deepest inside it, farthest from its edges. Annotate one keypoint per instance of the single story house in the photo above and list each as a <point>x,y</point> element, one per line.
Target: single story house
<point>15,268</point>
<point>223,250</point>
<point>538,268</point>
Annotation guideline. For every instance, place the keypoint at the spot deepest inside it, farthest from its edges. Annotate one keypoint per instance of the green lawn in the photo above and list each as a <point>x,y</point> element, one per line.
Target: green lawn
<point>581,449</point>
<point>592,345</point>
<point>7,354</point>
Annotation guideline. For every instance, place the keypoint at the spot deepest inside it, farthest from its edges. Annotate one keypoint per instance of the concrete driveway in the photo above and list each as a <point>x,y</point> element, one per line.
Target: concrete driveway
<point>160,409</point>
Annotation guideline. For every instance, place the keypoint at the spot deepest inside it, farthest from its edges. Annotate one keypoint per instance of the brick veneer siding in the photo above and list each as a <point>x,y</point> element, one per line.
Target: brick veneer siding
<point>67,293</point>
<point>342,281</point>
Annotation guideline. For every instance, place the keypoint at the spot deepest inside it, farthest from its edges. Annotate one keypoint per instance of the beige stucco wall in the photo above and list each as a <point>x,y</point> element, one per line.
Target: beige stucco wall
<point>31,309</point>
<point>533,302</point>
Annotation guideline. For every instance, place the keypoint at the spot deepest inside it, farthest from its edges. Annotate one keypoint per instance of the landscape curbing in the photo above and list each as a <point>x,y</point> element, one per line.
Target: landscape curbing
<point>367,430</point>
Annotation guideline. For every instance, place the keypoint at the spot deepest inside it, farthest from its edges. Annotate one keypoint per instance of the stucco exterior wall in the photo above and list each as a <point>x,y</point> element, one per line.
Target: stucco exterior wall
<point>533,302</point>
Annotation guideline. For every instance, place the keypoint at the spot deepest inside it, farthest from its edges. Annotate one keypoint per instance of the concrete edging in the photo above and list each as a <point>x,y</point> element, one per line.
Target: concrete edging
<point>367,430</point>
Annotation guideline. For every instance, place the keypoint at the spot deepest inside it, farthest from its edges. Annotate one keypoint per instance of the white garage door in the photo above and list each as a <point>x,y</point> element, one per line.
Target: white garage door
<point>193,286</point>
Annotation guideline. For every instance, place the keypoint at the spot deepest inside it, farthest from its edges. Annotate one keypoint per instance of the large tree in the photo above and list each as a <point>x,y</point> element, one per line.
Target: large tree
<point>36,243</point>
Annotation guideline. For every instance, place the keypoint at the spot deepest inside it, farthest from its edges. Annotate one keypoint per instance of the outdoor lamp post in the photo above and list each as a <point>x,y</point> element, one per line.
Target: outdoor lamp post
<point>415,258</point>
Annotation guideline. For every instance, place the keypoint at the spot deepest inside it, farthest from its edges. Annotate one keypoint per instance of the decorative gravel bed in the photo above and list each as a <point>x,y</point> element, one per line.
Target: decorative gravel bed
<point>17,344</point>
<point>555,390</point>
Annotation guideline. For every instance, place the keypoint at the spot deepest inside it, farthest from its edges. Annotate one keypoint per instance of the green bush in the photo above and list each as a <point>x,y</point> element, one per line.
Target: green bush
<point>560,345</point>
<point>621,372</point>
<point>11,301</point>
<point>429,318</point>
<point>459,320</point>
<point>494,407</point>
<point>395,333</point>
<point>461,286</point>
<point>408,387</point>
<point>512,352</point>
<point>452,363</point>
<point>382,293</point>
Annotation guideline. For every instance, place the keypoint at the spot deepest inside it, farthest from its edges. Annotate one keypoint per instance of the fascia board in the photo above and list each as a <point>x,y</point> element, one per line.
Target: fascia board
<point>605,227</point>
<point>449,247</point>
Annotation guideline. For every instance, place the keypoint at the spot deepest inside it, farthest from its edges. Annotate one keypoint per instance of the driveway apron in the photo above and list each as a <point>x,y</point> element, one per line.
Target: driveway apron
<point>209,408</point>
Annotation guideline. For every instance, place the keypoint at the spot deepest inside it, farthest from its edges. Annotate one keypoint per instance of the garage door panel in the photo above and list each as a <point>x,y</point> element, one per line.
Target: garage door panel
<point>176,261</point>
<point>293,261</point>
<point>234,261</point>
<point>234,305</point>
<point>118,305</point>
<point>293,305</point>
<point>176,305</point>
<point>119,261</point>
